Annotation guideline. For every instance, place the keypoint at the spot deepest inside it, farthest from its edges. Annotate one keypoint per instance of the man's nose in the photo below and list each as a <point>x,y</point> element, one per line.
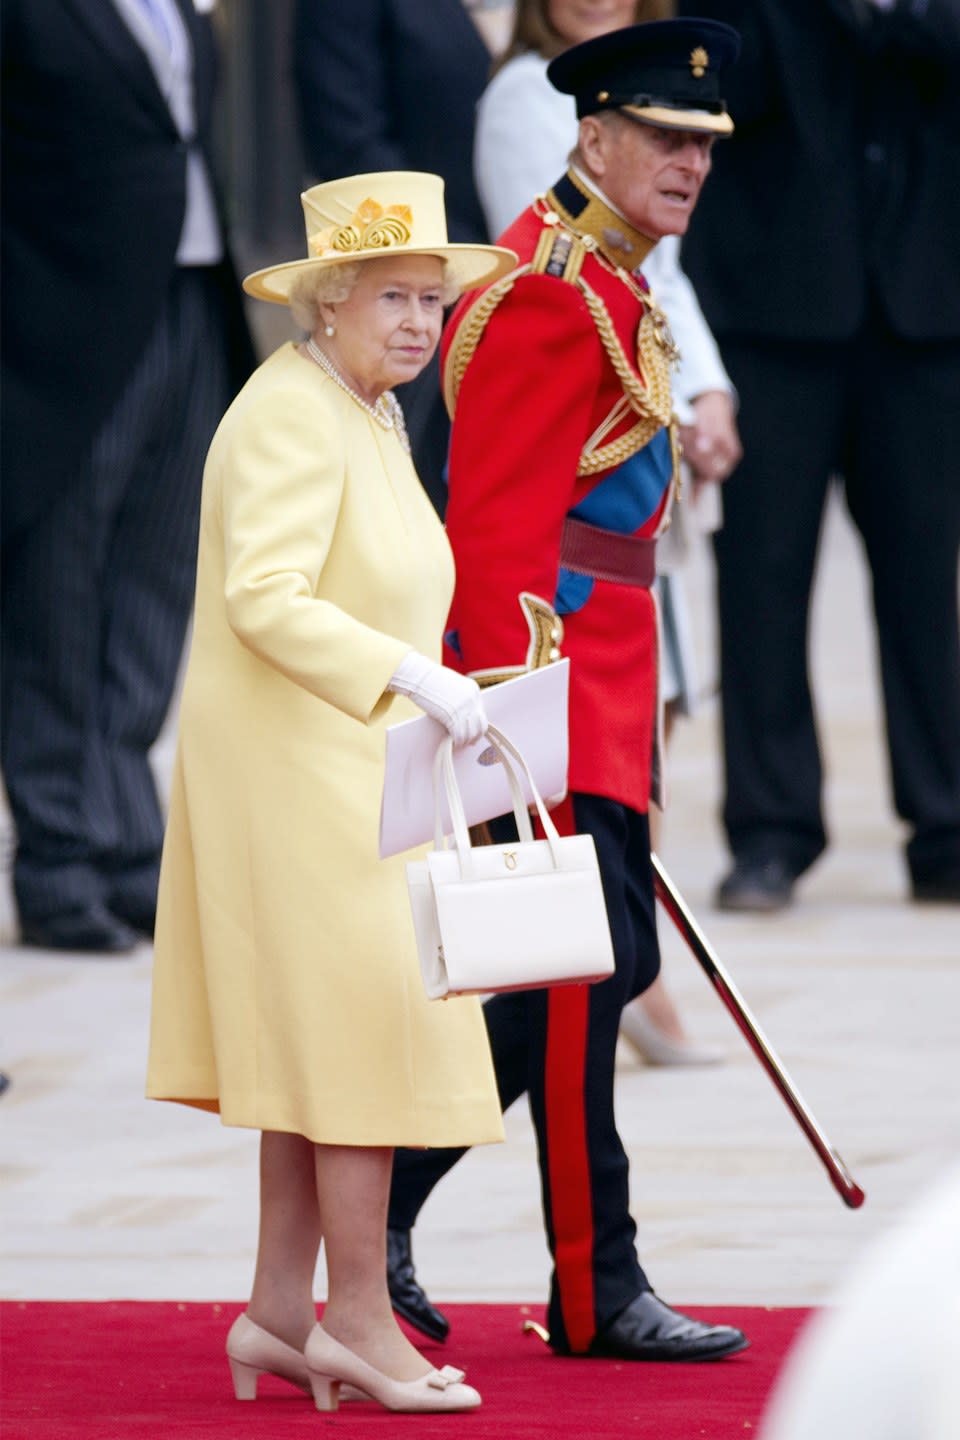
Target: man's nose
<point>696,158</point>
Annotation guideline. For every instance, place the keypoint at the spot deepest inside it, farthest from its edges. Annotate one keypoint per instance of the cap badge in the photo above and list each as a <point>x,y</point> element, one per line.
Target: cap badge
<point>699,60</point>
<point>370,228</point>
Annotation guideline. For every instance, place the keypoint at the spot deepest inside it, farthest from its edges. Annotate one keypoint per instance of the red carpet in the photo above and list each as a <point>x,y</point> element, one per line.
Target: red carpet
<point>125,1369</point>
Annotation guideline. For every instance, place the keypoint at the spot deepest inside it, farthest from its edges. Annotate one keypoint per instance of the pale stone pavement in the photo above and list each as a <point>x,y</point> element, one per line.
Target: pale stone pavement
<point>105,1195</point>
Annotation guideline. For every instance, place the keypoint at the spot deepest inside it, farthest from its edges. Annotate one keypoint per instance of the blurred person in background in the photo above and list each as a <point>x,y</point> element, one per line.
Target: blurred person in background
<point>357,69</point>
<point>525,131</point>
<point>287,995</point>
<point>825,255</point>
<point>841,1380</point>
<point>123,339</point>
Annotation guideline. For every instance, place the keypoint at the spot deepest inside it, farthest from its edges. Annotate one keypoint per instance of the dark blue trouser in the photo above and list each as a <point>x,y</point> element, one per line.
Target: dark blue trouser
<point>872,410</point>
<point>559,1046</point>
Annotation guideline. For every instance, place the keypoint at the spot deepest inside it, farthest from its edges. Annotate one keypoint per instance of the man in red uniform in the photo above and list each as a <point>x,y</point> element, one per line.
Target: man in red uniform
<point>563,469</point>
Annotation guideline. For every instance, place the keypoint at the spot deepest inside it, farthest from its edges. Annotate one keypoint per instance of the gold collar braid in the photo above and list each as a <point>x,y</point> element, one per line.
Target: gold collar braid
<point>585,212</point>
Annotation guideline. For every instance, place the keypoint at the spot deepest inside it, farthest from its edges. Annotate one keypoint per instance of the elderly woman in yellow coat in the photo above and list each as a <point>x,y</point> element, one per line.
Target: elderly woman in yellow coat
<point>287,994</point>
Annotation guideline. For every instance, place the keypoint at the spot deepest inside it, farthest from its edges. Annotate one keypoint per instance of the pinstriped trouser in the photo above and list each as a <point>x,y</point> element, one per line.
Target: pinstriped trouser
<point>96,598</point>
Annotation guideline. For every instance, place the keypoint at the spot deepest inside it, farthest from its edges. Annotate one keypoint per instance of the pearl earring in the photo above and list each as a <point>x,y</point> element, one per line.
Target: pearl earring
<point>329,331</point>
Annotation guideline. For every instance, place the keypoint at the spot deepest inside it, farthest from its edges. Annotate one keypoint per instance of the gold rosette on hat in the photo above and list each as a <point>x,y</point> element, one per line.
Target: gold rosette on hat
<point>371,227</point>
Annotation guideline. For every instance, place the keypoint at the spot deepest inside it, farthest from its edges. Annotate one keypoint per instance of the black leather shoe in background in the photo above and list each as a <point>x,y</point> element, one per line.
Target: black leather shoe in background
<point>941,888</point>
<point>406,1296</point>
<point>134,900</point>
<point>91,929</point>
<point>756,885</point>
<point>649,1330</point>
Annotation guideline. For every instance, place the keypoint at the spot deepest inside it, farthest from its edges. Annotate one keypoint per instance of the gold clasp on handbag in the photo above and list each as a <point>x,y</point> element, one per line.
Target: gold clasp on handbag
<point>510,859</point>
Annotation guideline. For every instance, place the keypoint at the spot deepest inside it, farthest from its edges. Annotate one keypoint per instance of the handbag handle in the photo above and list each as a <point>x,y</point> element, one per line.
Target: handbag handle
<point>443,767</point>
<point>443,771</point>
<point>444,760</point>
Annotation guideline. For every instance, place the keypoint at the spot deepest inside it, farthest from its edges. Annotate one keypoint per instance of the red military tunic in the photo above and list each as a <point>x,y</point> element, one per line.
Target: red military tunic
<point>548,403</point>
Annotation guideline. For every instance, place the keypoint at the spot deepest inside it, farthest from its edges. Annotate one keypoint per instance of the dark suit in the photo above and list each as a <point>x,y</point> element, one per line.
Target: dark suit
<point>393,85</point>
<point>101,461</point>
<point>824,253</point>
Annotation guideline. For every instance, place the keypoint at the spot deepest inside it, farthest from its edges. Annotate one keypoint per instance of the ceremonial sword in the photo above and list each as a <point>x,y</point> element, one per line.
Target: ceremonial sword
<point>675,906</point>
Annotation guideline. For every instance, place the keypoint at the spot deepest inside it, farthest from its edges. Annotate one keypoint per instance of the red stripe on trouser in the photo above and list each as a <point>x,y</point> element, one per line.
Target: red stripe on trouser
<point>568,1160</point>
<point>569,1167</point>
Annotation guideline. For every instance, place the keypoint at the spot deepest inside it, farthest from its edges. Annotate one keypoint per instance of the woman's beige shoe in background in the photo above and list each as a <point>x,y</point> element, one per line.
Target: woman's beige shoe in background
<point>656,1047</point>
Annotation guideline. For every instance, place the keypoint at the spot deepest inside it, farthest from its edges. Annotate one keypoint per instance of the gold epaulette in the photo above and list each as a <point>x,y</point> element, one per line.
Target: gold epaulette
<point>560,253</point>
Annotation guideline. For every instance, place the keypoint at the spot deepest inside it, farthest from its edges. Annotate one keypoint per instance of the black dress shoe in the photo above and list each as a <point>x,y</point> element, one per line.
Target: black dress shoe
<point>938,889</point>
<point>91,929</point>
<point>757,885</point>
<point>406,1296</point>
<point>649,1330</point>
<point>135,900</point>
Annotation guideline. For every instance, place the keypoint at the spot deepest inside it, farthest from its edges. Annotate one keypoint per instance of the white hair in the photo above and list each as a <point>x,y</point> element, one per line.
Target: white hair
<point>327,285</point>
<point>332,284</point>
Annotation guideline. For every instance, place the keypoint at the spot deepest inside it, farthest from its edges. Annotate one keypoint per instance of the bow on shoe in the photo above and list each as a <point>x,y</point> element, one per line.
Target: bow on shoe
<point>449,1375</point>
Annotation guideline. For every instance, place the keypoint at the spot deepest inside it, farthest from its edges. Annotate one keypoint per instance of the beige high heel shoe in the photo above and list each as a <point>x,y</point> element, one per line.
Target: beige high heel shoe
<point>253,1352</point>
<point>656,1047</point>
<point>330,1365</point>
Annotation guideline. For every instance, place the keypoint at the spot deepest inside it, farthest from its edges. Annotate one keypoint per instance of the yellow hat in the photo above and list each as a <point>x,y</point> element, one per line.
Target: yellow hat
<point>366,217</point>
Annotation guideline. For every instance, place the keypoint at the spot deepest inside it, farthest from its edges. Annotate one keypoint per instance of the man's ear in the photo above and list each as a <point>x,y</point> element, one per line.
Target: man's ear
<point>593,145</point>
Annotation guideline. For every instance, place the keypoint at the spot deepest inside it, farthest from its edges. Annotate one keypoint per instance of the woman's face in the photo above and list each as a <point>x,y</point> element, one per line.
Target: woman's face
<point>388,327</point>
<point>578,20</point>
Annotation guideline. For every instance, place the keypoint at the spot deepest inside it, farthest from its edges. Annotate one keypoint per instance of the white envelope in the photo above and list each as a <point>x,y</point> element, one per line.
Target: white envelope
<point>530,710</point>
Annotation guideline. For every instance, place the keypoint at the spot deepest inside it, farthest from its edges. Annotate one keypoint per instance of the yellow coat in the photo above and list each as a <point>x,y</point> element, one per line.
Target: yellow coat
<point>286,992</point>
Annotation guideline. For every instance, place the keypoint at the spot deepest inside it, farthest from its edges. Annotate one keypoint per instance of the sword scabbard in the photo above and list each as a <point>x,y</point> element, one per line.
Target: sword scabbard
<point>675,906</point>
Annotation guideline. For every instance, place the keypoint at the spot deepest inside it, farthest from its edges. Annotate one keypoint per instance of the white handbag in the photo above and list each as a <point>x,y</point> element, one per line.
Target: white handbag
<point>507,917</point>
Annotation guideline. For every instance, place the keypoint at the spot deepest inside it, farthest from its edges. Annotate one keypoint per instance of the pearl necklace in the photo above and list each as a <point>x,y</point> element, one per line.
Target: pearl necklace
<point>386,409</point>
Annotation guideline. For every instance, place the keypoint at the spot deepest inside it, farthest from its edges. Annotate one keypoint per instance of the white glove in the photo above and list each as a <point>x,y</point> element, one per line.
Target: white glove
<point>453,699</point>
